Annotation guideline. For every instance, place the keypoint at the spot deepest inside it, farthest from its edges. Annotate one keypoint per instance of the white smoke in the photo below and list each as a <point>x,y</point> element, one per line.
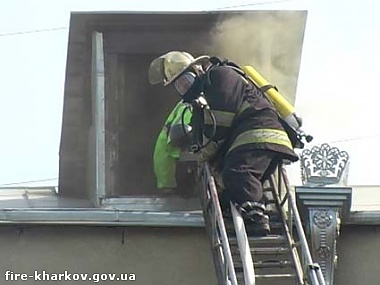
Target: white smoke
<point>271,41</point>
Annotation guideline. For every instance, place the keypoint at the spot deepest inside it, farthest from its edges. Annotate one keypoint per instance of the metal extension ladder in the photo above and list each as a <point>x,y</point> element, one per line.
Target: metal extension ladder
<point>282,258</point>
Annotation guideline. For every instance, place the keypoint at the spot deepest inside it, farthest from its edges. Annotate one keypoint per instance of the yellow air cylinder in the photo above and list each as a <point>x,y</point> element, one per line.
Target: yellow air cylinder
<point>283,107</point>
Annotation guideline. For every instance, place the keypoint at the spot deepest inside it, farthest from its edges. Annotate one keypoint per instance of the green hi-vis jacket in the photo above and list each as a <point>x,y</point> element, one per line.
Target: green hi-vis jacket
<point>165,155</point>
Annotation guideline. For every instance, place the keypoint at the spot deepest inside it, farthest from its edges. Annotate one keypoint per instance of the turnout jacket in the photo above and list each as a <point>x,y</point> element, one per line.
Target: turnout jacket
<point>245,118</point>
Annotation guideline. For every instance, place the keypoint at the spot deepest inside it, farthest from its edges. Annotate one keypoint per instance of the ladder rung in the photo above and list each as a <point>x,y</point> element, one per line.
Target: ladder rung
<point>271,239</point>
<point>273,263</point>
<point>279,276</point>
<point>273,215</point>
<point>270,250</point>
<point>264,251</point>
<point>277,264</point>
<point>286,275</point>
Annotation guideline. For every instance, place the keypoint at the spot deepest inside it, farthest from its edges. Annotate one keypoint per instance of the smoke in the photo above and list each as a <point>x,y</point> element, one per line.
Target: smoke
<point>271,41</point>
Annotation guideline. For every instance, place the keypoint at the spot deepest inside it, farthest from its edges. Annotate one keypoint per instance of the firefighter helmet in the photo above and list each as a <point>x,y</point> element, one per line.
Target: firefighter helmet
<point>168,67</point>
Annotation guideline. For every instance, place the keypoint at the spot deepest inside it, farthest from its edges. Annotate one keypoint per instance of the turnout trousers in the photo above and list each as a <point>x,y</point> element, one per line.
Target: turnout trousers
<point>244,172</point>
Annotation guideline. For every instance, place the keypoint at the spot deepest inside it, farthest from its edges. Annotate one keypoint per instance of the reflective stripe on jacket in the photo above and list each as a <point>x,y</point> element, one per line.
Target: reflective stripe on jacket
<point>245,119</point>
<point>262,135</point>
<point>279,137</point>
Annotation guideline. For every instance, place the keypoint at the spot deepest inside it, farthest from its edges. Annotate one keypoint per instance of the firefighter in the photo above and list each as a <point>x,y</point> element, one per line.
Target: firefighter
<point>250,137</point>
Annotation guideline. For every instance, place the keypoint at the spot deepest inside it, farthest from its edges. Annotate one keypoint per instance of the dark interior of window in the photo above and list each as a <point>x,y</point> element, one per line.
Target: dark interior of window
<point>139,112</point>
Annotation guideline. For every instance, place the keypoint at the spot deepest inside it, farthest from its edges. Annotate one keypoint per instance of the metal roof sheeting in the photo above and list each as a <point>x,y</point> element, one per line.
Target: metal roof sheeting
<point>43,206</point>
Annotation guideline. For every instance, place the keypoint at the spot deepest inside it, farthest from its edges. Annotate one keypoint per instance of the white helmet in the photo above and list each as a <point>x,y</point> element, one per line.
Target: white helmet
<point>168,67</point>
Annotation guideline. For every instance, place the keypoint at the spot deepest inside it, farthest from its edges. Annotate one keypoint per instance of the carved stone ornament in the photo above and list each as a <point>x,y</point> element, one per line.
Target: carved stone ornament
<point>324,251</point>
<point>323,234</point>
<point>322,219</point>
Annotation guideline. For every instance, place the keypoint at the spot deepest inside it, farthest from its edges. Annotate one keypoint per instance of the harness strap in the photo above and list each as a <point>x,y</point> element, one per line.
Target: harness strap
<point>265,88</point>
<point>223,118</point>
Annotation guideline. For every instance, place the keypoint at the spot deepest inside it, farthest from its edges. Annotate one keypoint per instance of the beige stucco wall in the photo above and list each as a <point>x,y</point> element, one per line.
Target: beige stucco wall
<point>359,256</point>
<point>155,255</point>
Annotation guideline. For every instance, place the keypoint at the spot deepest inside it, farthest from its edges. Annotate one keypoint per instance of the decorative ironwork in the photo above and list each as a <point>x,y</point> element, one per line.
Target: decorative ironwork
<point>324,165</point>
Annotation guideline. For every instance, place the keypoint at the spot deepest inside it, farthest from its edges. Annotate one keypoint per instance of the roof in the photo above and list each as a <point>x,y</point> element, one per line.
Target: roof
<point>42,205</point>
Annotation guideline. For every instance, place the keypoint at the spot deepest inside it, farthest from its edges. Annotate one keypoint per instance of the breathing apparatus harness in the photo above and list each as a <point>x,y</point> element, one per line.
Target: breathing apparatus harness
<point>197,104</point>
<point>293,126</point>
<point>198,107</point>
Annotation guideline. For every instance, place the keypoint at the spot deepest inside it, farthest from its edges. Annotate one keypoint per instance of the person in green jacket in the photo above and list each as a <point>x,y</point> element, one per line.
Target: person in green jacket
<point>168,147</point>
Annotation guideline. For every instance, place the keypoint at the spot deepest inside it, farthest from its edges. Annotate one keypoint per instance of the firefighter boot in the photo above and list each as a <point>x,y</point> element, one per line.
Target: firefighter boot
<point>258,221</point>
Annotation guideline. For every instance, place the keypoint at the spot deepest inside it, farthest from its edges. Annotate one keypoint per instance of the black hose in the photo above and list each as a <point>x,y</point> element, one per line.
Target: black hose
<point>213,119</point>
<point>183,121</point>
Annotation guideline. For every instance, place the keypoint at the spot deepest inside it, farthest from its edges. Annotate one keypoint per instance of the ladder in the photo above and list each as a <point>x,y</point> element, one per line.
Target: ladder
<point>282,258</point>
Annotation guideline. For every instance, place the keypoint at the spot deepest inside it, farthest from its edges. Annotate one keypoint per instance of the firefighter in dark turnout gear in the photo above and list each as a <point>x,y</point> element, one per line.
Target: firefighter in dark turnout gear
<point>250,138</point>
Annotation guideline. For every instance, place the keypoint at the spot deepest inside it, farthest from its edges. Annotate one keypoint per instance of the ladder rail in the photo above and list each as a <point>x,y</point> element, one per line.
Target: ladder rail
<point>243,247</point>
<point>288,234</point>
<point>307,271</point>
<point>218,230</point>
<point>313,269</point>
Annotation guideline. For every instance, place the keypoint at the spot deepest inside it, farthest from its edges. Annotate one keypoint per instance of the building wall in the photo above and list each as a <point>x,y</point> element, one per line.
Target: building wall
<point>155,255</point>
<point>358,253</point>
